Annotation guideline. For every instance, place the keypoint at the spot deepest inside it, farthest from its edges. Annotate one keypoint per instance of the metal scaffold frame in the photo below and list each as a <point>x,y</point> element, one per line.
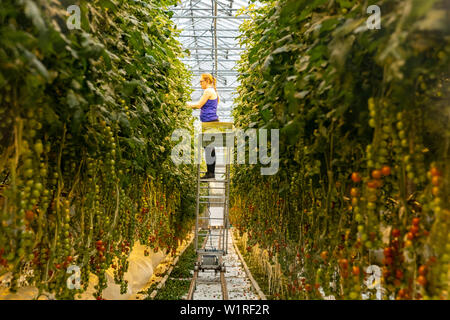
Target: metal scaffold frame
<point>214,193</point>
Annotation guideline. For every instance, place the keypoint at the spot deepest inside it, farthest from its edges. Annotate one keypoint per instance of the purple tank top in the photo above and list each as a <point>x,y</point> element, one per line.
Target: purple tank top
<point>209,111</point>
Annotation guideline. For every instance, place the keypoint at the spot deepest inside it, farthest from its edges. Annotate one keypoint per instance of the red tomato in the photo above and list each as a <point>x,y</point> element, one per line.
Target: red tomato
<point>386,170</point>
<point>414,230</point>
<point>422,280</point>
<point>435,181</point>
<point>29,215</point>
<point>435,172</point>
<point>355,270</point>
<point>396,233</point>
<point>356,177</point>
<point>372,184</point>
<point>376,174</point>
<point>423,270</point>
<point>343,263</point>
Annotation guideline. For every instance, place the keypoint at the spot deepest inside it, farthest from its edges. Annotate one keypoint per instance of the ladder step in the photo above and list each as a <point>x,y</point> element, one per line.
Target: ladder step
<point>219,188</point>
<point>204,251</point>
<point>213,197</point>
<point>203,235</point>
<point>214,172</point>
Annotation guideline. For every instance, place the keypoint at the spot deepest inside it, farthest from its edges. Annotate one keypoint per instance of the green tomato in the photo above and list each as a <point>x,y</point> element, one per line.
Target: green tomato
<point>28,163</point>
<point>28,173</point>
<point>38,147</point>
<point>21,252</point>
<point>38,186</point>
<point>404,143</point>
<point>353,295</point>
<point>371,205</point>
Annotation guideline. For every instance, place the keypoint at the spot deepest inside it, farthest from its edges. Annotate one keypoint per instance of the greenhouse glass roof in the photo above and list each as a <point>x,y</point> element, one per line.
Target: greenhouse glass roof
<point>209,31</point>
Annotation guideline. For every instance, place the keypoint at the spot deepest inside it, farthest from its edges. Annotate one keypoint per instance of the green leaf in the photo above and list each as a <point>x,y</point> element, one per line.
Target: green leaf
<point>33,12</point>
<point>37,64</point>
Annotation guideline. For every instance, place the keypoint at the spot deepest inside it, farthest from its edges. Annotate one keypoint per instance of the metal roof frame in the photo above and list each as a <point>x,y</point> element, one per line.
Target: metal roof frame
<point>209,30</point>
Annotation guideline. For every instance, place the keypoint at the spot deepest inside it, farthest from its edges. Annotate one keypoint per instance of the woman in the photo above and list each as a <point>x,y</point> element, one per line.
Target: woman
<point>208,105</point>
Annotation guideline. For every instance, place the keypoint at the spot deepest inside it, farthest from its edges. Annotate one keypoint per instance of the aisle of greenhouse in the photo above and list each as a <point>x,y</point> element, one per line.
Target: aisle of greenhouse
<point>225,150</point>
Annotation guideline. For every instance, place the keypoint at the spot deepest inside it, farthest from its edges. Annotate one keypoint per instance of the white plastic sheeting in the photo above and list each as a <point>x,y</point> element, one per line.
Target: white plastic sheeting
<point>140,270</point>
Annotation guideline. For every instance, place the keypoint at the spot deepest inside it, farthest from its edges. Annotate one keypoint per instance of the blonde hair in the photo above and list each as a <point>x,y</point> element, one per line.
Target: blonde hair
<point>211,80</point>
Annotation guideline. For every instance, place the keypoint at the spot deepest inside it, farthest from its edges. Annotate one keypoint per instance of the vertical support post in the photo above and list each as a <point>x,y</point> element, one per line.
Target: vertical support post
<point>227,189</point>
<point>215,40</point>
<point>197,210</point>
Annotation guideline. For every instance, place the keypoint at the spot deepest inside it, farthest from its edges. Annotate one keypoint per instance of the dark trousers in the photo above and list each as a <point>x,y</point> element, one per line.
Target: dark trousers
<point>210,155</point>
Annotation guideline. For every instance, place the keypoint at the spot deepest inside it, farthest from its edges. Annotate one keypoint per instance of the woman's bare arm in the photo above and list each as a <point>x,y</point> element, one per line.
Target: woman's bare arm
<point>198,105</point>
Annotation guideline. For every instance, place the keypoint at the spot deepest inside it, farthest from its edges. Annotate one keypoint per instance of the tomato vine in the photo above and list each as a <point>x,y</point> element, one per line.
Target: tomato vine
<point>364,145</point>
<point>86,118</point>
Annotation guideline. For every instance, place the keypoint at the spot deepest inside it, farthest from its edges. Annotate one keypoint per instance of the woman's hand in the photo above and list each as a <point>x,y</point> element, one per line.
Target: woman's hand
<point>192,105</point>
<point>201,103</point>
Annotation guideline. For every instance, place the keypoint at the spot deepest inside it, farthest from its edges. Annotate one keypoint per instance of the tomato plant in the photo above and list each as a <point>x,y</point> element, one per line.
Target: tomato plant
<point>86,119</point>
<point>363,150</point>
